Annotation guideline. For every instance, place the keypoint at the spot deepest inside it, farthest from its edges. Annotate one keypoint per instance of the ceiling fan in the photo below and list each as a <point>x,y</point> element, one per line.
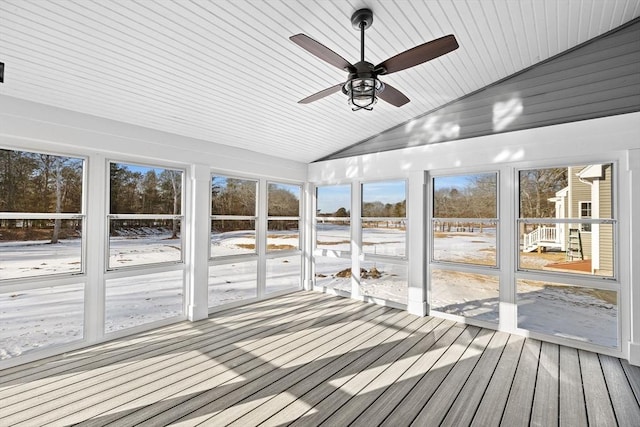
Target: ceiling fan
<point>363,86</point>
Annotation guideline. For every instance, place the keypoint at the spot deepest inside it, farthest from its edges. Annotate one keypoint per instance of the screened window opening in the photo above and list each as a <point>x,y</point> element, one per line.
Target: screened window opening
<point>464,223</point>
<point>566,222</point>
<point>145,215</point>
<point>384,218</point>
<point>284,263</point>
<point>233,216</point>
<point>464,277</point>
<point>233,269</point>
<point>42,221</point>
<point>332,254</point>
<point>41,214</point>
<point>567,230</point>
<point>333,218</point>
<point>283,222</point>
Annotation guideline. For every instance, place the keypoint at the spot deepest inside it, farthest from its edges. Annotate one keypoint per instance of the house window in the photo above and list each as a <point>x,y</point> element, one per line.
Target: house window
<point>585,213</point>
<point>464,234</point>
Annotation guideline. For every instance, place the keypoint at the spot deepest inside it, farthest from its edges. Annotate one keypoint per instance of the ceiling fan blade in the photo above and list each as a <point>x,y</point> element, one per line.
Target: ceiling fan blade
<point>393,96</point>
<point>321,51</point>
<point>326,92</point>
<point>419,54</point>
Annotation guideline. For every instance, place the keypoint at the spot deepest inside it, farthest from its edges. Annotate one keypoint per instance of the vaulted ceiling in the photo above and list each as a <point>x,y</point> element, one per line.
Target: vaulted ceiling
<point>225,70</point>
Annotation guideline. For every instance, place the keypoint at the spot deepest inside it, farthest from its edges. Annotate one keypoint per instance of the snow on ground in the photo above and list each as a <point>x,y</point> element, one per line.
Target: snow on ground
<point>32,319</point>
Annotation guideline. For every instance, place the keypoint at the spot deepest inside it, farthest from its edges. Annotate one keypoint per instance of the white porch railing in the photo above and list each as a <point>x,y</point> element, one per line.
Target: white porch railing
<point>541,236</point>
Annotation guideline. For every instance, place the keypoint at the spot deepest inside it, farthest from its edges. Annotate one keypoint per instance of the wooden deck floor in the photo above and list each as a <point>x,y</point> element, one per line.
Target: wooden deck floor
<point>312,359</point>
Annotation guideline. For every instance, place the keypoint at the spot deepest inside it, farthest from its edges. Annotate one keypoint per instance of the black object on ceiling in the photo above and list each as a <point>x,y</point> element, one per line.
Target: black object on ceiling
<point>363,86</point>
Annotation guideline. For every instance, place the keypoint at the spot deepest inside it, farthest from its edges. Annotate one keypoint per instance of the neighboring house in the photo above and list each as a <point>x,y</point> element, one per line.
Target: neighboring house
<point>587,195</point>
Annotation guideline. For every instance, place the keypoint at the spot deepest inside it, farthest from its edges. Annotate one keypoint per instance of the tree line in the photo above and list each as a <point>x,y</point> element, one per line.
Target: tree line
<point>45,183</point>
<point>134,192</point>
<point>478,198</point>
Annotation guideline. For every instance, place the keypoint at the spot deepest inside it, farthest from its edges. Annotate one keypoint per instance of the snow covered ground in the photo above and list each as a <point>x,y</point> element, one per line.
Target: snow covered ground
<point>33,319</point>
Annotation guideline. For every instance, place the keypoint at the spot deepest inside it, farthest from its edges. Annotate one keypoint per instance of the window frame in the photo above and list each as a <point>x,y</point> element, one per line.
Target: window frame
<point>584,226</point>
<point>224,259</point>
<point>496,221</point>
<point>298,219</point>
<point>404,219</point>
<point>577,279</point>
<point>109,216</point>
<point>32,281</point>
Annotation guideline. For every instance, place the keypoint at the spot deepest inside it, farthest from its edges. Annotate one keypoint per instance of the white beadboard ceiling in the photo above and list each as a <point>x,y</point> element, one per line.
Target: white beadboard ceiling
<point>225,70</point>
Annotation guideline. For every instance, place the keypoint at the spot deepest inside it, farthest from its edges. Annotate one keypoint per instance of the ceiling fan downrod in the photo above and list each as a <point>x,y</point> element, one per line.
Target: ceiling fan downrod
<point>361,20</point>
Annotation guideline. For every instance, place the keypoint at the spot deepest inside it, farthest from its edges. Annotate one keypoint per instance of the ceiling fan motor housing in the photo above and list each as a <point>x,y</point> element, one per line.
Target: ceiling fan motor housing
<point>362,16</point>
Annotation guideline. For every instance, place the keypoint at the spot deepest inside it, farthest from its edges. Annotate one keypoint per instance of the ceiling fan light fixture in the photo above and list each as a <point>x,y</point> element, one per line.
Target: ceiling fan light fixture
<point>362,93</point>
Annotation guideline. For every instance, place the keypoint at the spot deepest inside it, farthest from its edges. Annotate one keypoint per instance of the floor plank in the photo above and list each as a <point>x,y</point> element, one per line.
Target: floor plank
<point>599,407</point>
<point>413,402</point>
<point>464,407</point>
<point>311,359</point>
<point>441,400</point>
<point>633,376</point>
<point>517,412</point>
<point>624,402</point>
<point>491,407</point>
<point>545,401</point>
<point>572,409</point>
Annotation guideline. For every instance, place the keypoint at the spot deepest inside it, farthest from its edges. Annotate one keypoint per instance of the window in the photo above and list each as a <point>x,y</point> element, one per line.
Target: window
<point>283,217</point>
<point>42,222</point>
<point>464,234</point>
<point>284,261</point>
<point>384,270</point>
<point>585,212</point>
<point>332,253</point>
<point>566,248</point>
<point>144,235</point>
<point>333,218</point>
<point>465,219</point>
<point>384,218</point>
<point>233,269</point>
<point>566,222</point>
<point>145,215</point>
<point>41,214</point>
<point>233,216</point>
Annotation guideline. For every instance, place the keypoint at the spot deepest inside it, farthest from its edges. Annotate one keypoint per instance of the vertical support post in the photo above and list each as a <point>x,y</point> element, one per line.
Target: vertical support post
<point>417,205</point>
<point>95,233</point>
<point>197,256</point>
<point>356,238</point>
